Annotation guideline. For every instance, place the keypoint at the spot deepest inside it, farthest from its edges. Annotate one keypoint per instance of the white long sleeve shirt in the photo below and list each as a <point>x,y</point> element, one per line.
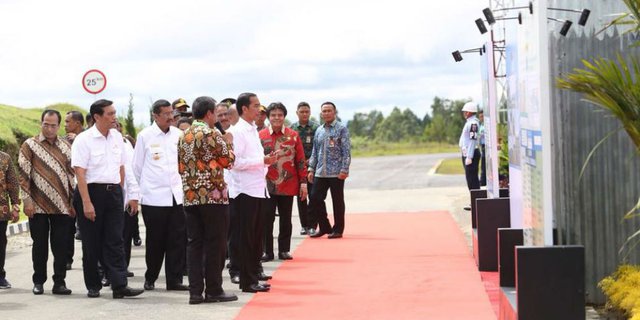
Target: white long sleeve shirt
<point>131,189</point>
<point>155,166</point>
<point>248,174</point>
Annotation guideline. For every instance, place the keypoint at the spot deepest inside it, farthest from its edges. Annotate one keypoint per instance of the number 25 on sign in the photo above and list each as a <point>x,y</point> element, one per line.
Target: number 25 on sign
<point>94,81</point>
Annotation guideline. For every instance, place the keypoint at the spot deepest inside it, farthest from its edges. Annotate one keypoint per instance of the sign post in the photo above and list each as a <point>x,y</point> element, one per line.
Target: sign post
<point>94,81</point>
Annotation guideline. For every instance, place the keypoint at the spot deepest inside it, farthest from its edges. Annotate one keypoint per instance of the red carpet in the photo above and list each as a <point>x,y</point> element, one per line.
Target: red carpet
<point>388,266</point>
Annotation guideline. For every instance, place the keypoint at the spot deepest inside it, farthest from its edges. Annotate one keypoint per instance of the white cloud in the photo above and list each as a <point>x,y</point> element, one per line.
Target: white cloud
<point>359,54</point>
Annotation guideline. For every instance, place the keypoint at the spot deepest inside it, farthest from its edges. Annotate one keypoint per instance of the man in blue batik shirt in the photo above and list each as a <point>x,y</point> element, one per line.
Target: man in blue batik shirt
<point>328,169</point>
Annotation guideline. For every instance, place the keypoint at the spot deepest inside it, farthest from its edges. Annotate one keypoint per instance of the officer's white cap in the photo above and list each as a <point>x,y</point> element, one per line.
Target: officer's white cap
<point>470,107</point>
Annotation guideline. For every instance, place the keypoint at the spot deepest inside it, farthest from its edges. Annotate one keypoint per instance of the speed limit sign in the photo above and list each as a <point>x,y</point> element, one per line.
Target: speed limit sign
<point>94,81</point>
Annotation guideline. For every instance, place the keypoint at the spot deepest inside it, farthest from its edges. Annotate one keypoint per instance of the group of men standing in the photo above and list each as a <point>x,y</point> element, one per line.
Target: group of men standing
<point>213,184</point>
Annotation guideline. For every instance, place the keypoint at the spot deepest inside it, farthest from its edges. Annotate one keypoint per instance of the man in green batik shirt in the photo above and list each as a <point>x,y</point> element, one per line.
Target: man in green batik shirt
<point>306,129</point>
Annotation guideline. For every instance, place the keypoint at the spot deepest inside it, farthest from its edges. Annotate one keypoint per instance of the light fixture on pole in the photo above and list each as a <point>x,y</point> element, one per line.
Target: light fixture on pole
<point>584,14</point>
<point>566,25</point>
<point>488,13</point>
<point>491,20</point>
<point>457,55</point>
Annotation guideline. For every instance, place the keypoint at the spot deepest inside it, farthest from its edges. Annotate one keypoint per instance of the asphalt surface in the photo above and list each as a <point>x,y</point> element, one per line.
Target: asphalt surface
<point>378,184</point>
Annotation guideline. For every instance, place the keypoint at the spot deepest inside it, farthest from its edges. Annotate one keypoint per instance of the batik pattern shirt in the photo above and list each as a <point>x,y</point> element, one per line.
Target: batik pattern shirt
<point>306,134</point>
<point>289,171</point>
<point>46,176</point>
<point>202,156</point>
<point>9,187</point>
<point>331,151</point>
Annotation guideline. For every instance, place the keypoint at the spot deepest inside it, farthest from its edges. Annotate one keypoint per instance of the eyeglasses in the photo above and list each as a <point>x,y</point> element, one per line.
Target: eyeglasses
<point>166,114</point>
<point>50,126</point>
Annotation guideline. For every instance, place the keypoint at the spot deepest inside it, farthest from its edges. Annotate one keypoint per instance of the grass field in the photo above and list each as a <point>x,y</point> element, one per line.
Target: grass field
<point>450,166</point>
<point>374,149</point>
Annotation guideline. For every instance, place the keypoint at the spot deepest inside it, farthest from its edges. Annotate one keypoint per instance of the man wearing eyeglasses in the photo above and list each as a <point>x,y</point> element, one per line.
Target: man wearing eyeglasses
<point>155,166</point>
<point>47,183</point>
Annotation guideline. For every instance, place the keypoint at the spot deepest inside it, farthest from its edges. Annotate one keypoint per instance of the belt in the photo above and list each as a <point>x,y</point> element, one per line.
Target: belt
<point>105,186</point>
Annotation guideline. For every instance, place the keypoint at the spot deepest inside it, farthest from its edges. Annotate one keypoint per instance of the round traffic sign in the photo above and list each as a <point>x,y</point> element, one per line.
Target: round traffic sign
<point>94,81</point>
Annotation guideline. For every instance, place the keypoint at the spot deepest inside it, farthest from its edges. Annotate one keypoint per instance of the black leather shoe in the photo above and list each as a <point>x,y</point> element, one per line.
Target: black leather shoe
<point>266,285</point>
<point>68,266</point>
<point>235,279</point>
<point>195,299</point>
<point>137,242</point>
<point>223,297</point>
<point>284,256</point>
<point>106,282</point>
<point>256,288</point>
<point>61,289</point>
<point>262,276</point>
<point>303,231</point>
<point>178,287</point>
<point>149,285</point>
<point>93,293</point>
<point>126,292</point>
<point>129,274</point>
<point>37,289</point>
<point>266,257</point>
<point>317,234</point>
<point>335,235</point>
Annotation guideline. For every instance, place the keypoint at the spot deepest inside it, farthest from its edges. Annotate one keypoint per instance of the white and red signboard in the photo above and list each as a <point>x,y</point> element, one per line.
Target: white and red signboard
<point>94,81</point>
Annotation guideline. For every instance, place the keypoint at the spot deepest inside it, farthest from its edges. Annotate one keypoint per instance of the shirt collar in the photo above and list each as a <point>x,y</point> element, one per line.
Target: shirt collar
<point>42,138</point>
<point>247,126</point>
<point>159,131</point>
<point>271,130</point>
<point>332,124</point>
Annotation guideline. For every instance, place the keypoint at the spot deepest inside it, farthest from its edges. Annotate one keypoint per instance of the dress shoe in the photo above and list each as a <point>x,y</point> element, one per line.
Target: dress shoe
<point>4,284</point>
<point>223,297</point>
<point>256,288</point>
<point>37,289</point>
<point>61,289</point>
<point>148,285</point>
<point>284,256</point>
<point>266,257</point>
<point>262,276</point>
<point>137,242</point>
<point>335,235</point>
<point>317,234</point>
<point>303,231</point>
<point>467,208</point>
<point>106,282</point>
<point>126,292</point>
<point>266,285</point>
<point>68,266</point>
<point>93,293</point>
<point>195,299</point>
<point>235,279</point>
<point>177,287</point>
<point>129,274</point>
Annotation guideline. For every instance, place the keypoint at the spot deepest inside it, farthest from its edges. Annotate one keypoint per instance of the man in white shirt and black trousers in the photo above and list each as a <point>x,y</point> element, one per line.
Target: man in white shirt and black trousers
<point>155,165</point>
<point>98,159</point>
<point>249,190</point>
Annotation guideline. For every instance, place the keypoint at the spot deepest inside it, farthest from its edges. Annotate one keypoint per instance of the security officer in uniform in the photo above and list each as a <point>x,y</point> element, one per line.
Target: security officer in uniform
<point>469,146</point>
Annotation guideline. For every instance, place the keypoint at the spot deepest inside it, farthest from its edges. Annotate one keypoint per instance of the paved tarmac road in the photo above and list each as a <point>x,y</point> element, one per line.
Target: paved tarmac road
<point>379,184</point>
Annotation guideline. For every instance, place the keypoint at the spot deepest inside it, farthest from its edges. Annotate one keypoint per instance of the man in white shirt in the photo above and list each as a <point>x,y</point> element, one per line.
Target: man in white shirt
<point>98,159</point>
<point>249,187</point>
<point>155,165</point>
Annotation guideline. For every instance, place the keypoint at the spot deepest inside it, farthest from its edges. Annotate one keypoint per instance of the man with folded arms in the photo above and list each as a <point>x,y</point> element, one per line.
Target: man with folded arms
<point>47,183</point>
<point>98,158</point>
<point>203,153</point>
<point>155,165</point>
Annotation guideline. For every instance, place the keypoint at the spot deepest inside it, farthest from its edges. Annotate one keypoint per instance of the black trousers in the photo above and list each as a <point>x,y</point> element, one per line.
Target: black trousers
<point>285,206</point>
<point>483,166</point>
<point>102,238</point>
<point>127,234</point>
<point>207,227</point>
<point>234,240</point>
<point>250,232</point>
<point>44,228</point>
<point>71,246</point>
<point>166,231</point>
<point>3,247</point>
<point>471,171</point>
<point>318,209</point>
<point>306,220</point>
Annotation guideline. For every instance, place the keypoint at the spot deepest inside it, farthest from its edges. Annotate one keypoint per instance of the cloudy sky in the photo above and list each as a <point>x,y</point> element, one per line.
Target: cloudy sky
<point>362,55</point>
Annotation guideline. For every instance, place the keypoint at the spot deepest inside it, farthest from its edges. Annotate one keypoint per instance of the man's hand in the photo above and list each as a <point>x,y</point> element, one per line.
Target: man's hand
<point>310,177</point>
<point>343,175</point>
<point>71,135</point>
<point>89,211</point>
<point>228,137</point>
<point>468,161</point>
<point>29,209</point>
<point>270,158</point>
<point>303,192</point>
<point>15,213</point>
<point>133,207</point>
